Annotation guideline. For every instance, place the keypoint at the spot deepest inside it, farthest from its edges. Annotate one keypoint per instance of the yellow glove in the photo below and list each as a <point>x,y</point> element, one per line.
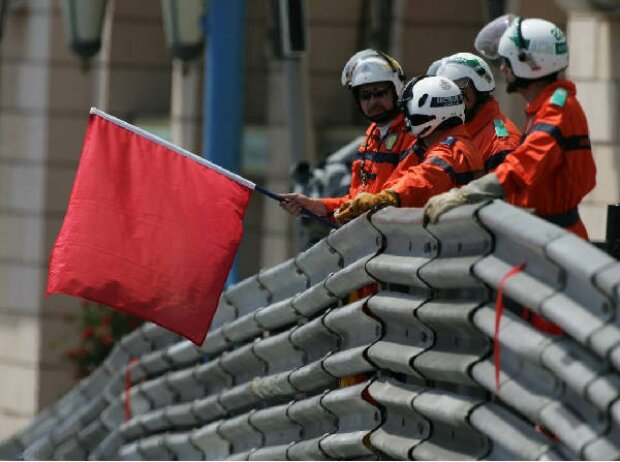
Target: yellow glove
<point>364,202</point>
<point>484,188</point>
<point>440,204</point>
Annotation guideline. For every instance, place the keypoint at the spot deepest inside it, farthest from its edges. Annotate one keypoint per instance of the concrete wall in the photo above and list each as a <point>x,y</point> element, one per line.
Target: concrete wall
<point>595,56</point>
<point>37,161</point>
<point>45,97</point>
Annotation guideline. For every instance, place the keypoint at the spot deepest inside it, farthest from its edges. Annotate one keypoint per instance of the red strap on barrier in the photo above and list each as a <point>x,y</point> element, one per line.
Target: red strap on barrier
<point>499,310</point>
<point>127,403</point>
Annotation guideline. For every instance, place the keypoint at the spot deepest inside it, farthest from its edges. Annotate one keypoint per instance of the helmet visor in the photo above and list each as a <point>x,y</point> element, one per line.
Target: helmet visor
<point>487,40</point>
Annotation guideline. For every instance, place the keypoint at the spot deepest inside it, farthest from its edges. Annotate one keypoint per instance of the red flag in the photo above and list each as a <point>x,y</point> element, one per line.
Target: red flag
<point>151,229</point>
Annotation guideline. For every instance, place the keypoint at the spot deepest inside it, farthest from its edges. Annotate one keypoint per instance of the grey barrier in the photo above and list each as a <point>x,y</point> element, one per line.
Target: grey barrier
<point>306,361</point>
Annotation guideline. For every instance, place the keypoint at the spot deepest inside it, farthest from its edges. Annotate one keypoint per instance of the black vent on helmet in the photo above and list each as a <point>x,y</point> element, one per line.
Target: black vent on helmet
<point>419,119</point>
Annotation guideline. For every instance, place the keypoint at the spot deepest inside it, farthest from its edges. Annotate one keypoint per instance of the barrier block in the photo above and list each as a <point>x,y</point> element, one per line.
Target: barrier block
<point>278,353</point>
<point>403,428</point>
<point>408,247</point>
<point>282,281</point>
<point>153,448</point>
<point>405,336</point>
<point>276,426</point>
<point>185,385</point>
<point>208,440</point>
<point>181,447</point>
<point>513,439</point>
<point>318,262</point>
<point>241,435</point>
<point>181,415</point>
<point>242,364</point>
<point>277,315</point>
<point>247,295</point>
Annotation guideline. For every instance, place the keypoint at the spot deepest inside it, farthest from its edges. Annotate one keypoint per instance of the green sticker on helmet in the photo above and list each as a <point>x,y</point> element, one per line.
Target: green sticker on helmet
<point>561,48</point>
<point>558,34</point>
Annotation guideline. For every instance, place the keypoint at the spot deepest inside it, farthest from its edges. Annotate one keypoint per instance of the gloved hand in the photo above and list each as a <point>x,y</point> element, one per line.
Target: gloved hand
<point>293,203</point>
<point>364,202</point>
<point>485,188</point>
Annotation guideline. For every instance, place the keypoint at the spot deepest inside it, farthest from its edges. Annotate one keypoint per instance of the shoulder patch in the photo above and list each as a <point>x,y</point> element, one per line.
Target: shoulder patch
<point>500,128</point>
<point>559,97</point>
<point>390,141</point>
<point>449,141</point>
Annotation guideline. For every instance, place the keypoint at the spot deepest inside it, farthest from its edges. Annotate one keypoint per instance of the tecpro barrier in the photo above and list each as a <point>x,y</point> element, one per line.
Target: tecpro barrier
<point>299,364</point>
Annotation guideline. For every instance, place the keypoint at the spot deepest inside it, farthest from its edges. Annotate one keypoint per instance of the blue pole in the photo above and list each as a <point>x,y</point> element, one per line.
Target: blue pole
<point>223,95</point>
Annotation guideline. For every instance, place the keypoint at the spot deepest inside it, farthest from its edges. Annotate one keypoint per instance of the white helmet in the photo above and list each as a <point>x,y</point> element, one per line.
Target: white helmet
<point>535,48</point>
<point>470,66</point>
<point>430,100</point>
<point>370,66</point>
<point>432,69</point>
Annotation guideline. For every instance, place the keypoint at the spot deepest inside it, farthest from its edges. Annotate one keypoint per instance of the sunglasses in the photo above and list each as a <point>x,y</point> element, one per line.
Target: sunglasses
<point>366,95</point>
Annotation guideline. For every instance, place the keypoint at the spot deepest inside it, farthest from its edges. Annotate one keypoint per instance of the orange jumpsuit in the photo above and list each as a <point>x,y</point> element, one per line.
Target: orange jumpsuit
<point>553,168</point>
<point>377,160</point>
<point>450,162</point>
<point>493,134</point>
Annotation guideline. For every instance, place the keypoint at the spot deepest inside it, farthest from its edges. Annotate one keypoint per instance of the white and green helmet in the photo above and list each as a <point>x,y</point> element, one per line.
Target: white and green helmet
<point>535,48</point>
<point>468,66</point>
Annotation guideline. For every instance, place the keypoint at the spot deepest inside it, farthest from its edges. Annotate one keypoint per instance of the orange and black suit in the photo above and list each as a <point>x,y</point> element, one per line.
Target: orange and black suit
<point>377,159</point>
<point>494,134</point>
<point>553,168</point>
<point>449,163</point>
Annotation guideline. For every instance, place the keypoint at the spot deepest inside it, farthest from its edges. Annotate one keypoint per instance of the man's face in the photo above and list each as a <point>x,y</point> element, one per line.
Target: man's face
<point>469,93</point>
<point>376,98</point>
<point>506,71</point>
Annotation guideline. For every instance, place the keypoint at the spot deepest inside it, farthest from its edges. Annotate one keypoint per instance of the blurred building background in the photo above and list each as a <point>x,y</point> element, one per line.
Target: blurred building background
<point>46,91</point>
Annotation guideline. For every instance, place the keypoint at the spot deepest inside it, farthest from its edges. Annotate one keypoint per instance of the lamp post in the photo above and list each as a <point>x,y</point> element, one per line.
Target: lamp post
<point>83,21</point>
<point>185,41</point>
<point>3,8</point>
<point>183,27</point>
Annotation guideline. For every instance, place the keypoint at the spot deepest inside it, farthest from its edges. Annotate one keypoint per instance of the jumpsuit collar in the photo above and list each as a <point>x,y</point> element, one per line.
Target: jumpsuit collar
<point>396,126</point>
<point>485,115</point>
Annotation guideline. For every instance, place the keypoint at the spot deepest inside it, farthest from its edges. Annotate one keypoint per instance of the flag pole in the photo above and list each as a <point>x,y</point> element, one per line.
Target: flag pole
<point>304,210</point>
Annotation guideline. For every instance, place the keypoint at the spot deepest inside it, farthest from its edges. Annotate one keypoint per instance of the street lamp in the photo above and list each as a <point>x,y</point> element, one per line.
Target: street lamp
<point>183,28</point>
<point>83,23</point>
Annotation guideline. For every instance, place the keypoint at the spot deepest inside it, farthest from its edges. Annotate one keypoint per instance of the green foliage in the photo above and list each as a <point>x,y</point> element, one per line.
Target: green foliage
<point>100,328</point>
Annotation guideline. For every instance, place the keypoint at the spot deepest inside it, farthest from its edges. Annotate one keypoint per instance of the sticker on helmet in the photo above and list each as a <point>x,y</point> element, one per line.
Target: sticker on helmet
<point>445,101</point>
<point>561,48</point>
<point>558,34</point>
<point>444,84</point>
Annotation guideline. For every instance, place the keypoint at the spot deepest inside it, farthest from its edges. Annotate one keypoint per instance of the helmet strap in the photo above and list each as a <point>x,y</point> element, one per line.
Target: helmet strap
<point>520,82</point>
